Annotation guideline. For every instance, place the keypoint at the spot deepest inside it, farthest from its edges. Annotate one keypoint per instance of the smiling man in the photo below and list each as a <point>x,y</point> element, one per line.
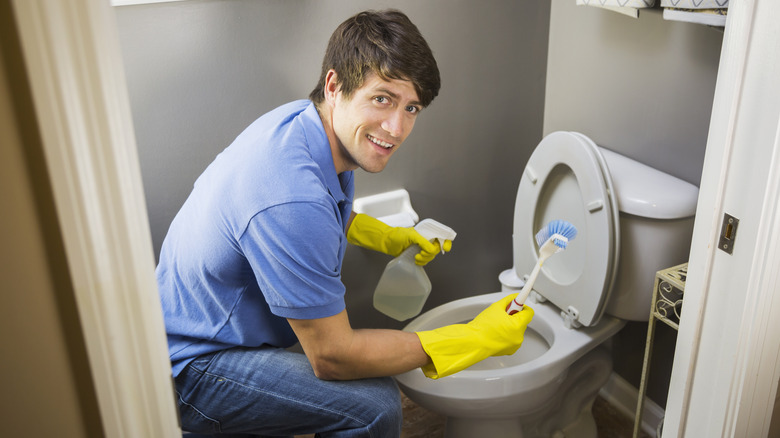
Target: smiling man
<point>252,262</point>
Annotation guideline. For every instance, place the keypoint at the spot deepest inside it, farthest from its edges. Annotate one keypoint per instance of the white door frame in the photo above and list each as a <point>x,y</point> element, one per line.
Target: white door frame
<point>73,59</point>
<point>725,373</point>
<point>726,370</point>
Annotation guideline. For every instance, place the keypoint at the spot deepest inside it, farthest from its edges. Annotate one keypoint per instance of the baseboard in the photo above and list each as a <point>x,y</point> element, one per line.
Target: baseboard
<point>623,396</point>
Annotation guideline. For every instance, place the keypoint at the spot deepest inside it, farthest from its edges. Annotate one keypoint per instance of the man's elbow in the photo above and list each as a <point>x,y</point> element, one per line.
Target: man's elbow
<point>326,368</point>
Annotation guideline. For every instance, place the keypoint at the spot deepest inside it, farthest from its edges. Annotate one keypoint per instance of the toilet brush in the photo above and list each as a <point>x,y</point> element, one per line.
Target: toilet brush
<point>554,237</point>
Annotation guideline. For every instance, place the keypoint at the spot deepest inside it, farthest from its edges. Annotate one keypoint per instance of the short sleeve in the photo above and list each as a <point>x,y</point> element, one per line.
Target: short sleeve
<point>295,250</point>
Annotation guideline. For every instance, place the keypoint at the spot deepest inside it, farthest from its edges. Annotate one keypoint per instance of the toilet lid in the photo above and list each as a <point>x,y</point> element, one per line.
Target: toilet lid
<point>566,178</point>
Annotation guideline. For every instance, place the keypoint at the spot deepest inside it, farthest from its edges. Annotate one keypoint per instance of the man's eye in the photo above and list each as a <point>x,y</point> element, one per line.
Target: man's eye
<point>381,99</point>
<point>412,109</point>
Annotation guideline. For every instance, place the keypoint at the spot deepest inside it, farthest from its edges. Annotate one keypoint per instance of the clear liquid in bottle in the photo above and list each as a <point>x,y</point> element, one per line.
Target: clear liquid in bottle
<point>403,288</point>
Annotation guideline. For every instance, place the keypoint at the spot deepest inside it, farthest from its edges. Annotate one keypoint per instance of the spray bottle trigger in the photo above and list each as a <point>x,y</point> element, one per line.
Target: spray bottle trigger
<point>434,230</point>
<point>441,243</point>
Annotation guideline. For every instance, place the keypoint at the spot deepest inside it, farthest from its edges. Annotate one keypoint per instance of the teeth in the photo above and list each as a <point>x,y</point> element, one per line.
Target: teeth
<point>379,142</point>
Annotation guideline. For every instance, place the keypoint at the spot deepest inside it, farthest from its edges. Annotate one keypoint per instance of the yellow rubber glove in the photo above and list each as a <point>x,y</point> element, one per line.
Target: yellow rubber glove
<point>493,332</point>
<point>374,234</point>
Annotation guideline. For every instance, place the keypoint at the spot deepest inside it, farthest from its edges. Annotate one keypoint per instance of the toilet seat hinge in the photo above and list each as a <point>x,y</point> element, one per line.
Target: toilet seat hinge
<point>536,297</point>
<point>570,318</point>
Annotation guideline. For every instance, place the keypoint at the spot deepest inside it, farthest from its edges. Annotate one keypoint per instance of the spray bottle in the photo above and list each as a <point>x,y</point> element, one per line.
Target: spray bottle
<point>404,287</point>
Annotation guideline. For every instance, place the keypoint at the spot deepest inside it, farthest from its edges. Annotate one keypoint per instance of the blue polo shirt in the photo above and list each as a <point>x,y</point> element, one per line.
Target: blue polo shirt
<point>261,238</point>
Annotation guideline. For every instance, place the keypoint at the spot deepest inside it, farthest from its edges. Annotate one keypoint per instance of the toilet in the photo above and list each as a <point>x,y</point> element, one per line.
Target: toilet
<point>632,221</point>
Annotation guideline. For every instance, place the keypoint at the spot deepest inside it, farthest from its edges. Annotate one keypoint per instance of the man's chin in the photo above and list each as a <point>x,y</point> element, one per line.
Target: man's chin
<point>373,167</point>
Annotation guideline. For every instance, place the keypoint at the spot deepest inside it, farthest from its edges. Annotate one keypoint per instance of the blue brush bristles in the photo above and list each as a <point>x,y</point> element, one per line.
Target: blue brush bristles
<point>558,226</point>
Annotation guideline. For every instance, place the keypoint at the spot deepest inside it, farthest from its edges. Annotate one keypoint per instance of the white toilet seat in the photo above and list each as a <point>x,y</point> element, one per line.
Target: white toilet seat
<point>564,179</point>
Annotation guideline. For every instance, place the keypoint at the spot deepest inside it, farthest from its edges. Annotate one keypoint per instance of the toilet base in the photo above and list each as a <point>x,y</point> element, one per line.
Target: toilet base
<point>566,415</point>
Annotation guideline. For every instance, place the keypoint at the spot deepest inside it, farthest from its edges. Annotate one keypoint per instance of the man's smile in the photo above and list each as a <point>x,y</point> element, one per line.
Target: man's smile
<point>379,142</point>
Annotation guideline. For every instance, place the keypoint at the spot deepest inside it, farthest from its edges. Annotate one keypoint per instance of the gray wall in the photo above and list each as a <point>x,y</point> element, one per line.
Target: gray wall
<point>644,88</point>
<point>641,87</point>
<point>200,71</point>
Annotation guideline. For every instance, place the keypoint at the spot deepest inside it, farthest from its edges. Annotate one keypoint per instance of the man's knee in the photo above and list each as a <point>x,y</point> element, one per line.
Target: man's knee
<point>389,415</point>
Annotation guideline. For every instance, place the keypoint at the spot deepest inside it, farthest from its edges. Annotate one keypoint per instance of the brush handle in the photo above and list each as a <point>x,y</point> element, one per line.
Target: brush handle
<point>546,250</point>
<point>517,304</point>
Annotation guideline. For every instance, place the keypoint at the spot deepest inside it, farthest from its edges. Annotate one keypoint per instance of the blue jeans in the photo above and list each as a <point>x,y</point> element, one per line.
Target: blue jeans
<point>274,392</point>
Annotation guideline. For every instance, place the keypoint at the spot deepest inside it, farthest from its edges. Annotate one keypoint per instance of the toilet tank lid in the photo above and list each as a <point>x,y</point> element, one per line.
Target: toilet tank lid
<point>647,192</point>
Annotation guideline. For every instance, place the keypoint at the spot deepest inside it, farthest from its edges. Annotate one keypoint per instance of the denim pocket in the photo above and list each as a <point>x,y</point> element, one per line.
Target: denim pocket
<point>193,420</point>
<point>189,393</point>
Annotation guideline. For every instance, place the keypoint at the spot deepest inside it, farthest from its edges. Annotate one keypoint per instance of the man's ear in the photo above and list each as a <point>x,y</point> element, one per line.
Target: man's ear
<point>331,86</point>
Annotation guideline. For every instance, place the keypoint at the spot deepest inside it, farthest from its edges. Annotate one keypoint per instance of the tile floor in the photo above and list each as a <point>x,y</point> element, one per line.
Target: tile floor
<point>422,423</point>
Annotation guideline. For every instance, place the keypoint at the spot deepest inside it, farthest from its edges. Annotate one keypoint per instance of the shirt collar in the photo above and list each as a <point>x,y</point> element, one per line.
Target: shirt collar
<point>319,147</point>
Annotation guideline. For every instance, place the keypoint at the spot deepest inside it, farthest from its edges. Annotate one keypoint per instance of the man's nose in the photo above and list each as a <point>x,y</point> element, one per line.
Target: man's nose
<point>394,124</point>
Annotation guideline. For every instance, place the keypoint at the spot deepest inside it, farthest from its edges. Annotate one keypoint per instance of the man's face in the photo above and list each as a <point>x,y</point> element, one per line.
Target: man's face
<point>371,125</point>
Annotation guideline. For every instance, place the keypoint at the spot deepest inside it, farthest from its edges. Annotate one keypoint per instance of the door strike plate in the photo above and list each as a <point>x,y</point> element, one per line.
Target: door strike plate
<point>728,233</point>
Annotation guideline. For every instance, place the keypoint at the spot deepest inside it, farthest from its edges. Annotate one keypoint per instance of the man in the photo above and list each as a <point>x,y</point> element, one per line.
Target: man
<point>251,263</point>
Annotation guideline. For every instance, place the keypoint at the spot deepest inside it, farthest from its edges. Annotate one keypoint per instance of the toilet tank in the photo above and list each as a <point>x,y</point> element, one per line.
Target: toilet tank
<point>656,226</point>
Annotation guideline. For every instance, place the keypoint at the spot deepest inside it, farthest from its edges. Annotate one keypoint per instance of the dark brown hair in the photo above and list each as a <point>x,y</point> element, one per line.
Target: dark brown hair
<point>386,43</point>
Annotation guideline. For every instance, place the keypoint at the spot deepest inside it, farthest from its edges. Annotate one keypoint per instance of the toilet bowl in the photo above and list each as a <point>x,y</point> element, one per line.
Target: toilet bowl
<point>582,297</point>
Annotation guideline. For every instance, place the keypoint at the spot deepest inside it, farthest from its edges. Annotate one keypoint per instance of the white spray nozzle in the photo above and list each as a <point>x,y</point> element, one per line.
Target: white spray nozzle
<point>434,230</point>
